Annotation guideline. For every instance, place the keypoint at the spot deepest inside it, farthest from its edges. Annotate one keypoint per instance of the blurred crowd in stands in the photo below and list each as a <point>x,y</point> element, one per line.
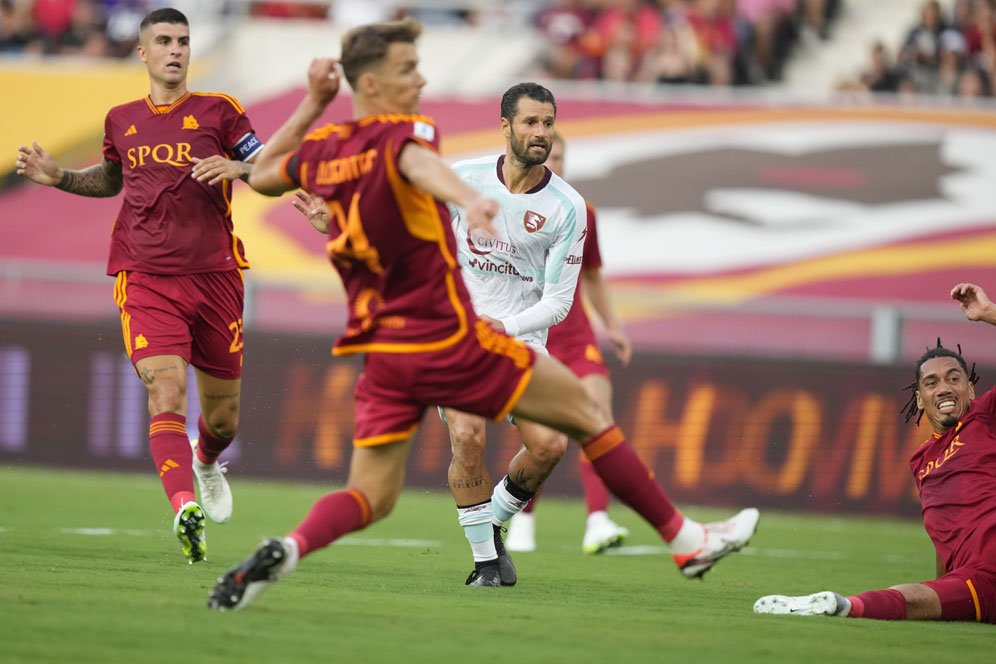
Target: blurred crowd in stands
<point>948,55</point>
<point>705,42</point>
<point>710,42</point>
<point>100,28</point>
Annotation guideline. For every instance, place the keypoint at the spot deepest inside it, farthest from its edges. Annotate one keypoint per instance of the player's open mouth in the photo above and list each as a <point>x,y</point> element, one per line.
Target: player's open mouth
<point>174,65</point>
<point>946,406</point>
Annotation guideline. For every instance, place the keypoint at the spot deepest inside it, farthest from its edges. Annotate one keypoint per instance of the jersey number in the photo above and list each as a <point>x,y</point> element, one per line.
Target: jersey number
<point>236,327</point>
<point>352,243</point>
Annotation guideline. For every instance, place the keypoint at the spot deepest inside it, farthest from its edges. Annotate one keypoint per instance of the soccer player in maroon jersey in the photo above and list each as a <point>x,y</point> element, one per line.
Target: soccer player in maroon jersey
<point>955,473</point>
<point>572,341</point>
<point>178,265</point>
<point>386,190</point>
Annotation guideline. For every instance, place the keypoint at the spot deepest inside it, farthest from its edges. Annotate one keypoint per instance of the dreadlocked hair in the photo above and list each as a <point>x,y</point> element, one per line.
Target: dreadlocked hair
<point>910,409</point>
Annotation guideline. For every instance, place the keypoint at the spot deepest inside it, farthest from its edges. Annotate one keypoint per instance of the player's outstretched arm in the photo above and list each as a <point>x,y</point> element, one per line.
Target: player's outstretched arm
<point>323,85</point>
<point>974,302</point>
<point>97,181</point>
<point>428,172</point>
<point>598,292</point>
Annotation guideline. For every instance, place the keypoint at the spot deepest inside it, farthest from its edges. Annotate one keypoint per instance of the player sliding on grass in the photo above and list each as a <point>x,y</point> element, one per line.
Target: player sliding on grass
<point>178,265</point>
<point>409,310</point>
<point>955,472</point>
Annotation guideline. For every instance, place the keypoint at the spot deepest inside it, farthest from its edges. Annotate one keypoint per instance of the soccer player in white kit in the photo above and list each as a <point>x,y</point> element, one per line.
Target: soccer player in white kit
<point>522,282</point>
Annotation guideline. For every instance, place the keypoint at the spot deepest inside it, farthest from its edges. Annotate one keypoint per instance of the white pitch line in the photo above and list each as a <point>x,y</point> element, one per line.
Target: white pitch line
<point>401,543</point>
<point>404,543</point>
<point>748,551</point>
<point>103,532</point>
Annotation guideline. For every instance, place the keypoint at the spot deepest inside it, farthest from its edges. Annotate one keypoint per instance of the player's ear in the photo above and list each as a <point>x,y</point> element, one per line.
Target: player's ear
<point>506,128</point>
<point>140,49</point>
<point>367,84</point>
<point>919,401</point>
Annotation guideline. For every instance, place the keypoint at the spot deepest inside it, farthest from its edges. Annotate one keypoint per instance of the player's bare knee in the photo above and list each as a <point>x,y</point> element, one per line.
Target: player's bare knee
<point>166,397</point>
<point>381,504</point>
<point>223,425</point>
<point>467,443</point>
<point>550,450</point>
<point>922,601</point>
<point>466,430</point>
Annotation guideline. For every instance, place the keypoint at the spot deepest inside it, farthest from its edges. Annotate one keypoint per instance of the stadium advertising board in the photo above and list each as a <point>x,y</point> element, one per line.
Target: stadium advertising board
<point>775,433</point>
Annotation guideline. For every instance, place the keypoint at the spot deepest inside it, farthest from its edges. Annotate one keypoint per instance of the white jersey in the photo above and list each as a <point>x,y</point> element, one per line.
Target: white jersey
<point>526,276</point>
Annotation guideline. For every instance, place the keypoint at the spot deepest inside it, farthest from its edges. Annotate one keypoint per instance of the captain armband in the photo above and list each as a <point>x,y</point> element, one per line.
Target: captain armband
<point>247,146</point>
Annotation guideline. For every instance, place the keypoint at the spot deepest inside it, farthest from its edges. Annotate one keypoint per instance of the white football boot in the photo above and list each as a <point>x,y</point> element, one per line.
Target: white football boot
<point>721,539</point>
<point>521,533</point>
<point>602,533</point>
<point>216,495</point>
<point>826,603</point>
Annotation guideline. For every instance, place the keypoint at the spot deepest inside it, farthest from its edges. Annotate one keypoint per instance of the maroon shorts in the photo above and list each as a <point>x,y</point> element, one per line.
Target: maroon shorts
<point>966,594</point>
<point>583,358</point>
<point>485,373</point>
<point>195,316</point>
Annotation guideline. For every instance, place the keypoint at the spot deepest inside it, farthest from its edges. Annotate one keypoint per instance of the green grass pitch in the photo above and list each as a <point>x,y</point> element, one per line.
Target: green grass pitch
<point>90,572</point>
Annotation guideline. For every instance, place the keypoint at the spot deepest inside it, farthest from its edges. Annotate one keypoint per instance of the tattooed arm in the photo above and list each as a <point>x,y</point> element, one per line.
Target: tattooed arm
<point>97,181</point>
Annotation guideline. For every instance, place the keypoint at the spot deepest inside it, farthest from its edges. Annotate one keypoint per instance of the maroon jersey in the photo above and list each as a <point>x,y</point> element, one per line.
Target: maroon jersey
<point>575,329</point>
<point>170,223</point>
<point>955,473</point>
<point>391,242</point>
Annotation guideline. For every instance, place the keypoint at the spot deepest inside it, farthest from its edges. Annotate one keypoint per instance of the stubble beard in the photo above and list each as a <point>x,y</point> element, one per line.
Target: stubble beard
<point>948,421</point>
<point>521,151</point>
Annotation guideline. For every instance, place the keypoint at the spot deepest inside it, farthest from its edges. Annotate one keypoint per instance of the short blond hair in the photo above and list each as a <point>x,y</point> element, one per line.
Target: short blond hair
<point>365,47</point>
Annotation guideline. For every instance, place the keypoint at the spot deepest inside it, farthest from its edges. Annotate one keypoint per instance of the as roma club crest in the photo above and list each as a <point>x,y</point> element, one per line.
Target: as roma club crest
<point>533,221</point>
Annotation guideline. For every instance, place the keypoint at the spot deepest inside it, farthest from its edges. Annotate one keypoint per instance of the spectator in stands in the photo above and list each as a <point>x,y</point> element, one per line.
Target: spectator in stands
<point>951,62</point>
<point>922,46</point>
<point>771,34</point>
<point>52,17</point>
<point>123,18</point>
<point>626,29</point>
<point>573,49</point>
<point>674,57</point>
<point>881,76</point>
<point>85,34</point>
<point>979,33</point>
<point>714,28</point>
<point>961,14</point>
<point>817,16</point>
<point>17,27</point>
<point>295,10</point>
<point>972,83</point>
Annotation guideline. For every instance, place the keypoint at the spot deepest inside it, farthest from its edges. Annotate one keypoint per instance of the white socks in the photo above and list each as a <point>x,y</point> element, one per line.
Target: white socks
<point>504,504</point>
<point>690,538</point>
<point>476,523</point>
